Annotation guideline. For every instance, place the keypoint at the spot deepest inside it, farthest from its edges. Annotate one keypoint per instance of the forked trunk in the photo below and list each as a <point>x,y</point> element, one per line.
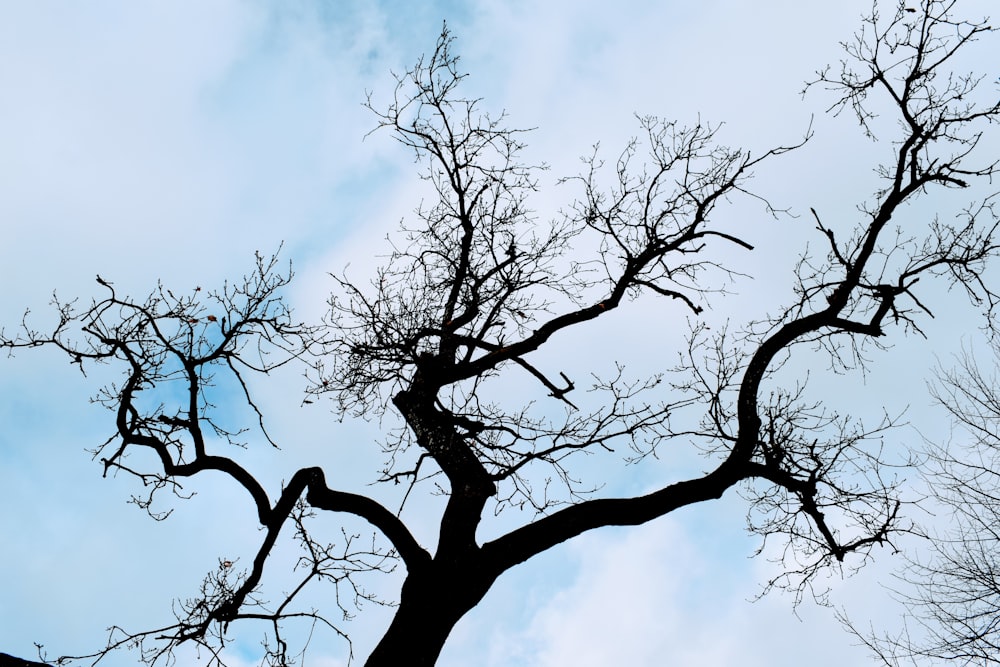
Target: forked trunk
<point>431,603</point>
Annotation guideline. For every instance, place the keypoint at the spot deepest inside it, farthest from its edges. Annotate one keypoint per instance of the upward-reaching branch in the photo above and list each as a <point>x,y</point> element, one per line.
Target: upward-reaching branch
<point>478,287</point>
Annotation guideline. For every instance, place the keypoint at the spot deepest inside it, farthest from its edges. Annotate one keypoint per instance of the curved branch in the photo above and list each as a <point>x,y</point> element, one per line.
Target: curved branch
<point>323,497</point>
<point>522,543</point>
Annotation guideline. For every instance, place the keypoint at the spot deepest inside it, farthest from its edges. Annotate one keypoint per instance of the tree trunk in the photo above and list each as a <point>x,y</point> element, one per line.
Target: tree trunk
<point>432,601</point>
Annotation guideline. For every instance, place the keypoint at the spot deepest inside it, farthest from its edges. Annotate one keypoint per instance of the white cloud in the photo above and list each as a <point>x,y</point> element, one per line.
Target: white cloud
<point>170,140</point>
<point>680,591</point>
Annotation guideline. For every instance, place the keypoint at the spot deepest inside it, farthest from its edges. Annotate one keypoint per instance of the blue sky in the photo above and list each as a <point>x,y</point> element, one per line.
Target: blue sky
<point>172,140</point>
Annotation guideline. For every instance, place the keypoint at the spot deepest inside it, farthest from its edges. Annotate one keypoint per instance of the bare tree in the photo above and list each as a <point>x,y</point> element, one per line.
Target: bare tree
<point>476,289</point>
<point>952,593</point>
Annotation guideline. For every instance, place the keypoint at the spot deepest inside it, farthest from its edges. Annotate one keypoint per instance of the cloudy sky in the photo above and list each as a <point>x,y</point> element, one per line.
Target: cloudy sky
<point>171,140</point>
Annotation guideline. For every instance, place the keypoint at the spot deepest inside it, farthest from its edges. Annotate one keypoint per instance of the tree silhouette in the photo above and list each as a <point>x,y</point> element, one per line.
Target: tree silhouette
<point>10,661</point>
<point>475,290</point>
<point>952,593</point>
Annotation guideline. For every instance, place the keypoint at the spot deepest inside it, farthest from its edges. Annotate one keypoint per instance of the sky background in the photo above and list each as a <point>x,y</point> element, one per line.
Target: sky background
<point>171,140</point>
